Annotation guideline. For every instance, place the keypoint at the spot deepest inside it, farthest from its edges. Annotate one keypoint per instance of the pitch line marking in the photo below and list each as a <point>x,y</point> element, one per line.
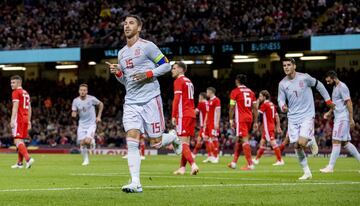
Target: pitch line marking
<point>183,186</point>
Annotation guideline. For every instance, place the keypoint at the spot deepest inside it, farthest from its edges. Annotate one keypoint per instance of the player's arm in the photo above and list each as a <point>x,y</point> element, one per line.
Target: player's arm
<point>29,116</point>
<point>232,111</point>
<point>73,110</point>
<point>14,112</point>
<point>349,106</point>
<point>175,103</point>
<point>217,116</point>
<point>255,110</point>
<point>312,82</point>
<point>277,123</point>
<point>163,65</point>
<point>282,99</point>
<point>100,106</point>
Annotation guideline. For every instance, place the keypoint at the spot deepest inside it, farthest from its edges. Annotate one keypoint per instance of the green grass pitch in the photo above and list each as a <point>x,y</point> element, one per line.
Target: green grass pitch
<point>61,180</point>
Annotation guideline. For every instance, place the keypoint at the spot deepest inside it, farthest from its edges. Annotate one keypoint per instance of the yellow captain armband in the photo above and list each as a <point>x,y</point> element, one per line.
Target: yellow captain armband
<point>232,102</point>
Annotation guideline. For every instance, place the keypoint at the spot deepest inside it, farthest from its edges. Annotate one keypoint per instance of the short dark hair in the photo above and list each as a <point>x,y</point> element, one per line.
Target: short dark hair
<point>287,59</point>
<point>84,85</point>
<point>138,18</point>
<point>16,77</point>
<point>203,94</point>
<point>241,78</point>
<point>181,65</point>
<point>265,93</point>
<point>332,74</point>
<point>212,89</point>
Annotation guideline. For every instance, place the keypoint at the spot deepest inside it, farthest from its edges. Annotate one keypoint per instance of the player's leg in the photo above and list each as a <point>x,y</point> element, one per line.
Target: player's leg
<point>260,151</point>
<point>311,143</point>
<point>81,135</point>
<point>352,150</point>
<point>133,125</point>
<point>237,152</point>
<point>209,148</point>
<point>215,147</point>
<point>335,152</point>
<point>20,134</point>
<point>279,160</point>
<point>142,147</point>
<point>284,143</point>
<point>245,128</point>
<point>198,144</point>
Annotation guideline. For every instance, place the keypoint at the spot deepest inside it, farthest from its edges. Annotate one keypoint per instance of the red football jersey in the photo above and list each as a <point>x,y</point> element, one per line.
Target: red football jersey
<point>202,108</point>
<point>244,98</point>
<point>268,110</point>
<point>183,104</point>
<point>21,96</point>
<point>213,114</point>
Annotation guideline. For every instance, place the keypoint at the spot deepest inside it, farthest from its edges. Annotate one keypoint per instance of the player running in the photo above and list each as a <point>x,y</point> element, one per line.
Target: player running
<point>201,110</point>
<point>140,62</point>
<point>212,125</point>
<point>270,121</point>
<point>243,104</point>
<point>84,106</point>
<point>295,88</point>
<point>343,120</point>
<point>20,121</point>
<point>183,115</point>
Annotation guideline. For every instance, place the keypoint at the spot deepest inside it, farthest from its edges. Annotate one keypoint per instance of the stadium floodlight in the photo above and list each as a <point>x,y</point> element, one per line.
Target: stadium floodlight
<point>92,63</point>
<point>294,55</point>
<point>241,57</point>
<point>311,58</point>
<point>14,68</point>
<point>245,60</point>
<point>209,62</point>
<point>70,66</point>
<point>188,61</point>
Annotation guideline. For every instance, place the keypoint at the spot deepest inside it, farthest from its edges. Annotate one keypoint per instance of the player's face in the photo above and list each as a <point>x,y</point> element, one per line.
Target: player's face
<point>209,93</point>
<point>261,98</point>
<point>175,71</point>
<point>131,27</point>
<point>330,81</point>
<point>289,67</point>
<point>14,84</point>
<point>83,91</point>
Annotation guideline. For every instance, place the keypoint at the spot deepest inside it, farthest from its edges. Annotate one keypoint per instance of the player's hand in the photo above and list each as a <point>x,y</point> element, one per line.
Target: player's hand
<point>232,124</point>
<point>141,76</point>
<point>12,125</point>
<point>285,108</point>
<point>279,130</point>
<point>256,126</point>
<point>173,121</point>
<point>327,115</point>
<point>113,67</point>
<point>98,119</point>
<point>352,123</point>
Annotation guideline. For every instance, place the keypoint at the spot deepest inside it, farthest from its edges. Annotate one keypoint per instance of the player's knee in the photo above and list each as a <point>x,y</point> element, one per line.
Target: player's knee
<point>302,142</point>
<point>155,143</point>
<point>343,144</point>
<point>133,133</point>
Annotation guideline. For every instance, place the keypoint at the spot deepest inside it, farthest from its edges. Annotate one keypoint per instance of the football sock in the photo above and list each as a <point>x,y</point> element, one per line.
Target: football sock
<point>84,152</point>
<point>197,147</point>
<point>302,160</point>
<point>208,148</point>
<point>277,152</point>
<point>134,160</point>
<point>20,158</point>
<point>352,150</point>
<point>215,143</point>
<point>260,152</point>
<point>167,139</point>
<point>282,147</point>
<point>142,148</point>
<point>237,151</point>
<point>23,151</point>
<point>335,152</point>
<point>186,152</point>
<point>247,152</point>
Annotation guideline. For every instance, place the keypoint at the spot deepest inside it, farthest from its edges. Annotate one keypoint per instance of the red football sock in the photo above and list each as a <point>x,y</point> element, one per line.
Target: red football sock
<point>20,158</point>
<point>247,153</point>
<point>277,152</point>
<point>208,147</point>
<point>282,147</point>
<point>237,151</point>
<point>183,161</point>
<point>142,149</point>
<point>260,152</point>
<point>215,144</point>
<point>186,152</point>
<point>23,151</point>
<point>197,147</point>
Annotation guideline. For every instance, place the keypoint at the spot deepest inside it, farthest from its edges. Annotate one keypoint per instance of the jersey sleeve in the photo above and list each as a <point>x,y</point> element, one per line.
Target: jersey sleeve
<point>15,96</point>
<point>95,101</point>
<point>155,54</point>
<point>312,82</point>
<point>281,96</point>
<point>73,106</point>
<point>177,86</point>
<point>233,97</point>
<point>262,108</point>
<point>345,93</point>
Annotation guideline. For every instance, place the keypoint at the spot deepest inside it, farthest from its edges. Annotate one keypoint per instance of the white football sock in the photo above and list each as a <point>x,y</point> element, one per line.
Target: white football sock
<point>335,152</point>
<point>167,139</point>
<point>134,160</point>
<point>84,152</point>
<point>352,150</point>
<point>302,159</point>
<point>310,142</point>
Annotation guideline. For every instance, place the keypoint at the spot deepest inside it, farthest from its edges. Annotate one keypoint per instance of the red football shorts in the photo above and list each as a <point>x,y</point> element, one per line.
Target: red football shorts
<point>186,126</point>
<point>243,128</point>
<point>268,135</point>
<point>20,131</point>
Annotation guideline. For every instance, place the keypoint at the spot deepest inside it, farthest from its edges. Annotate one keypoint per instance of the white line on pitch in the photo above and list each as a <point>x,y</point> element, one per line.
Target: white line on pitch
<point>185,186</point>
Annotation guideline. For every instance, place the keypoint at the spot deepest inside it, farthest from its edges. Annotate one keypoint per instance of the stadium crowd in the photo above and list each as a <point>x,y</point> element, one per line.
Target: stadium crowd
<point>69,23</point>
<point>53,126</point>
